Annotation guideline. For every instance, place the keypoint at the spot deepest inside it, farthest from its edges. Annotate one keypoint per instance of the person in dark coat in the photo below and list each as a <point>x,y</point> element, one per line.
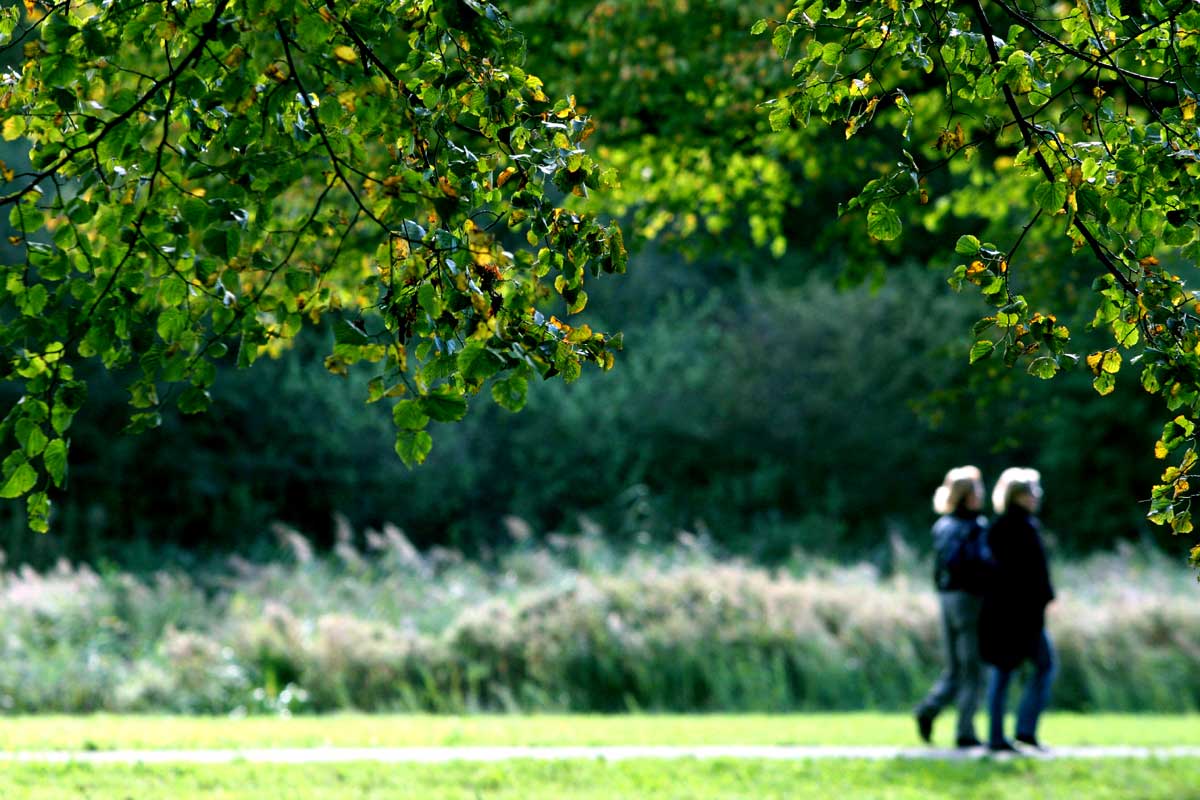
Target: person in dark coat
<point>958,500</point>
<point>1012,622</point>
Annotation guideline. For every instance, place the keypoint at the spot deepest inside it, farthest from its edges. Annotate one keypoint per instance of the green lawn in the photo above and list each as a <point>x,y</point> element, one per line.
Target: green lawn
<point>1177,779</point>
<point>591,780</point>
<point>105,732</point>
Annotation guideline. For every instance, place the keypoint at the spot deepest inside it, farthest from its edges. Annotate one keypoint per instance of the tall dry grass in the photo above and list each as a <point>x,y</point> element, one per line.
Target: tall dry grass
<point>568,623</point>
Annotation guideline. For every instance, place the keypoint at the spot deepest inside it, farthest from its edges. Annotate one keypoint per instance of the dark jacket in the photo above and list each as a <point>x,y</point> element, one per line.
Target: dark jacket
<point>1014,606</point>
<point>957,538</point>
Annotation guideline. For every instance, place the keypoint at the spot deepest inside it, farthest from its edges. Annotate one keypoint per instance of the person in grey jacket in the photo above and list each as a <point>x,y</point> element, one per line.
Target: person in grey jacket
<point>959,541</point>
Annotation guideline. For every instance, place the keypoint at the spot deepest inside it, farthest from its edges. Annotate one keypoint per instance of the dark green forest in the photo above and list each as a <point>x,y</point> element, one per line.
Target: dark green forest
<point>768,413</point>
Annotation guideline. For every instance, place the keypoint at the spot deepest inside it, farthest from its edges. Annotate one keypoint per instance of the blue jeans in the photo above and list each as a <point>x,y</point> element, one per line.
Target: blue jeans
<point>1033,701</point>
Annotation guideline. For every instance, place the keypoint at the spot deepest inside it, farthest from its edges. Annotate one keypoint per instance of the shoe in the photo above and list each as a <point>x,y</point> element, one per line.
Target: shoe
<point>967,741</point>
<point>1030,740</point>
<point>1002,746</point>
<point>925,726</point>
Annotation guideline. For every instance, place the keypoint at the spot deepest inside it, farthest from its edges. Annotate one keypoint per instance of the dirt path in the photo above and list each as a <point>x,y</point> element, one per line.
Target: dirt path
<point>435,755</point>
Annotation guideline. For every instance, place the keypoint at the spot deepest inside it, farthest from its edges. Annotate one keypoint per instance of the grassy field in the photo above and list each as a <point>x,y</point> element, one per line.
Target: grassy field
<point>591,780</point>
<point>1175,779</point>
<point>106,732</point>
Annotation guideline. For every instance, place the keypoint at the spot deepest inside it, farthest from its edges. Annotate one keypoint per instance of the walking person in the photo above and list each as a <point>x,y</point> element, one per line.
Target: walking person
<point>1012,626</point>
<point>960,575</point>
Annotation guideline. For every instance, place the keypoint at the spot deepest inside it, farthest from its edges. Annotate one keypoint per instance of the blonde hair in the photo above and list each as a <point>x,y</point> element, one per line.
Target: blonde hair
<point>958,483</point>
<point>1014,482</point>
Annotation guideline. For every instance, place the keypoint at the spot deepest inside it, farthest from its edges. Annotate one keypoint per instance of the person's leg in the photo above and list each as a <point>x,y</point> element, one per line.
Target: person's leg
<point>1037,691</point>
<point>997,698</point>
<point>946,685</point>
<point>969,666</point>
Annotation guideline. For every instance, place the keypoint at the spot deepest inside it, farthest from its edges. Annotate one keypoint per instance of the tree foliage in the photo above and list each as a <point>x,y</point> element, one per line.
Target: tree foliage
<point>675,88</point>
<point>211,176</point>
<point>1071,120</point>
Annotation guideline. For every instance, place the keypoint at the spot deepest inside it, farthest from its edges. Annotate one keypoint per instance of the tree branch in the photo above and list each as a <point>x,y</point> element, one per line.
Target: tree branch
<point>207,31</point>
<point>1049,38</point>
<point>1027,135</point>
<point>312,115</point>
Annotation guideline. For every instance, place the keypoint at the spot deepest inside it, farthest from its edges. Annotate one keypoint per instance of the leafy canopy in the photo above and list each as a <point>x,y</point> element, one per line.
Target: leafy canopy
<point>1084,114</point>
<point>210,176</point>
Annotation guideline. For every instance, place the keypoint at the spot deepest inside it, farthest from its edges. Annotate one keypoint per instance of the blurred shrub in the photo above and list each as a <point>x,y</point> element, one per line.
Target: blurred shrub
<point>571,625</point>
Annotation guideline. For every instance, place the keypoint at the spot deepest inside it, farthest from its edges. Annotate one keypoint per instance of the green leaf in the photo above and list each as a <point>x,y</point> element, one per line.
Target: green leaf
<point>445,406</point>
<point>1150,379</point>
<point>982,349</point>
<point>375,389</point>
<point>1050,197</point>
<point>22,479</point>
<point>428,297</point>
<point>413,447</point>
<point>967,245</point>
<point>782,39</point>
<point>511,392</point>
<point>55,459</point>
<point>346,333</point>
<point>61,418</point>
<point>297,280</point>
<point>37,512</point>
<point>1044,367</point>
<point>30,436</point>
<point>217,241</point>
<point>883,223</point>
<point>780,116</point>
<point>172,322</point>
<point>476,361</point>
<point>407,415</point>
<point>1104,383</point>
<point>194,400</point>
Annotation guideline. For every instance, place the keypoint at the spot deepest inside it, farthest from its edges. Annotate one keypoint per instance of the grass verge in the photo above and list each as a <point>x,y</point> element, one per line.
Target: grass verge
<point>592,780</point>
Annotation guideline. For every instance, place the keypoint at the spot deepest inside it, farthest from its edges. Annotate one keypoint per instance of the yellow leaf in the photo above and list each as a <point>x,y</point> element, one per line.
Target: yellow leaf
<point>1111,362</point>
<point>34,13</point>
<point>346,54</point>
<point>581,334</point>
<point>1188,107</point>
<point>504,176</point>
<point>14,126</point>
<point>1093,362</point>
<point>1160,449</point>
